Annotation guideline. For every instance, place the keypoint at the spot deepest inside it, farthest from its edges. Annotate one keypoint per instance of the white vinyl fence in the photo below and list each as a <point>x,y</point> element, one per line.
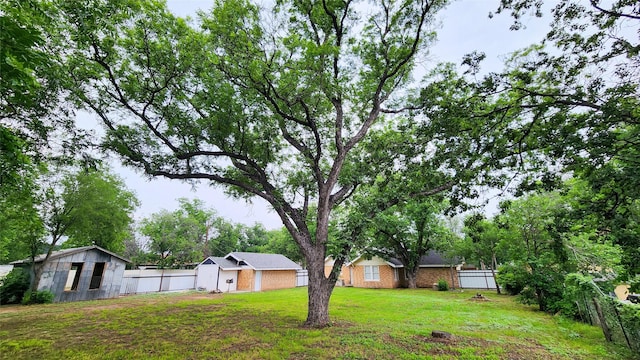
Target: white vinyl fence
<point>144,281</point>
<point>302,278</point>
<point>476,279</point>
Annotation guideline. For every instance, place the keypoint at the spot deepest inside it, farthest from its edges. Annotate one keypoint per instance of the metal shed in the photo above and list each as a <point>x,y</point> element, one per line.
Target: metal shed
<point>84,273</point>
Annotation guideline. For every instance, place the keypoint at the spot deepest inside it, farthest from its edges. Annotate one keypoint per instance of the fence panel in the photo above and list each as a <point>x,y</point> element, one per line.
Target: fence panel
<point>302,278</point>
<point>144,281</point>
<point>476,279</point>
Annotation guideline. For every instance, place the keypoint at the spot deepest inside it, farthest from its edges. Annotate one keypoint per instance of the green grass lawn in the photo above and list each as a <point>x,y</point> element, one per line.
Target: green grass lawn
<point>368,324</point>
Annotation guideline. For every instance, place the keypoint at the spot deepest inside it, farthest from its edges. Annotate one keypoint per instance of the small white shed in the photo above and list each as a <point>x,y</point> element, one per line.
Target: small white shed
<point>217,273</point>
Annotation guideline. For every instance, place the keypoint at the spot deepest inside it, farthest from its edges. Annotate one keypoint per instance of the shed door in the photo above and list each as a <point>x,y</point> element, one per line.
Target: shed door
<point>258,280</point>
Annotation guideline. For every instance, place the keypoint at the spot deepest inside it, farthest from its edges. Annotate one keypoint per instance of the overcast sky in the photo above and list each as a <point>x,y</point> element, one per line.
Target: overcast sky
<point>465,27</point>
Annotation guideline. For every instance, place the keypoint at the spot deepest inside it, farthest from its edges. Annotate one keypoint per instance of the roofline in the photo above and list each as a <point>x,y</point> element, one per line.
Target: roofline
<point>439,265</point>
<point>71,251</point>
<point>238,259</point>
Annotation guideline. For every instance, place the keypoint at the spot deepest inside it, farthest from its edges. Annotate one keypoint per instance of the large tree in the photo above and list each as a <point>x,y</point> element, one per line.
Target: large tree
<point>267,102</point>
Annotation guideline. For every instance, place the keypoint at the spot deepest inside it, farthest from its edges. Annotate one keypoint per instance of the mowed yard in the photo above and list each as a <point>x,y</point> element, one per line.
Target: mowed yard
<point>368,324</point>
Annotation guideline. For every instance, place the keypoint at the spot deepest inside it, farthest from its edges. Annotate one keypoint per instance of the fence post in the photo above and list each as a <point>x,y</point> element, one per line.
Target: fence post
<point>603,321</point>
<point>615,308</point>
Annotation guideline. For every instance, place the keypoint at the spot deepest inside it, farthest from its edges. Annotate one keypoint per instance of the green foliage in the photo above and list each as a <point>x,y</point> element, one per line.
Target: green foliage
<point>620,321</point>
<point>512,278</point>
<point>629,317</point>
<point>37,297</point>
<point>14,286</point>
<point>577,97</point>
<point>443,285</point>
<point>99,209</point>
<point>634,284</point>
<point>281,242</point>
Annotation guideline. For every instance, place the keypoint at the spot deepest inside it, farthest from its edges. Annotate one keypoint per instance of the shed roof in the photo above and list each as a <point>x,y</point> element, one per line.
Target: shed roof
<point>223,263</point>
<point>66,252</point>
<point>259,261</point>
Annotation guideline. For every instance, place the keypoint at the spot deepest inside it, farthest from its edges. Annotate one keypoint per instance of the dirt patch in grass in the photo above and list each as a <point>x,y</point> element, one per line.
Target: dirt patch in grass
<point>512,351</point>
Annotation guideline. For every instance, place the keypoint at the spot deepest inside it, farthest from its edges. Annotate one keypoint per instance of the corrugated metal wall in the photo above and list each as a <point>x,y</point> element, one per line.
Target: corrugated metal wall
<point>56,273</point>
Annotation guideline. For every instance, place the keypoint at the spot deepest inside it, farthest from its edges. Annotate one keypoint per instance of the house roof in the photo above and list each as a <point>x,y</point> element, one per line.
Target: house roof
<point>435,259</point>
<point>394,263</point>
<point>263,261</point>
<point>223,263</point>
<point>432,259</point>
<point>67,252</point>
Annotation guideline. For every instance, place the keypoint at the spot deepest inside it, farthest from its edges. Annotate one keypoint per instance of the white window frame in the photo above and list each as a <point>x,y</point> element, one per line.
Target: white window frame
<point>371,273</point>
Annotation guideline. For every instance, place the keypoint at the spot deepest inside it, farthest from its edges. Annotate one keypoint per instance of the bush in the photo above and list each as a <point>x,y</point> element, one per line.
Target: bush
<point>37,297</point>
<point>512,278</point>
<point>14,286</point>
<point>443,285</point>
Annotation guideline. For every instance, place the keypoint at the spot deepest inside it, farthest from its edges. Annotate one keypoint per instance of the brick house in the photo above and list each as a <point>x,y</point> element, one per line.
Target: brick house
<point>380,273</point>
<point>433,267</point>
<point>264,271</point>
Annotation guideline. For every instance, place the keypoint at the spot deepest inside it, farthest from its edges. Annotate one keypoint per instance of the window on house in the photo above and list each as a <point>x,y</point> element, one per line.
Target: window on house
<point>371,273</point>
<point>395,274</point>
<point>96,277</point>
<point>73,279</point>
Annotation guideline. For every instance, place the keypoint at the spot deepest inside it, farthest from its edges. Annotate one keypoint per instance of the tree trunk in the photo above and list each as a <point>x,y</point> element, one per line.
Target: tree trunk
<point>36,272</point>
<point>319,292</point>
<point>541,300</point>
<point>494,264</point>
<point>411,279</point>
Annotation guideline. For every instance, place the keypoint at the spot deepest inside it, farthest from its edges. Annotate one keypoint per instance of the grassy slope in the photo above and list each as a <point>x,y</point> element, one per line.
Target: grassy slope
<point>369,324</point>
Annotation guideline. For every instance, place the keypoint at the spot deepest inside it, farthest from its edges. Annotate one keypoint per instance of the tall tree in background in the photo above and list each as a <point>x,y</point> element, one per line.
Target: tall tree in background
<point>385,220</point>
<point>280,242</point>
<point>268,103</point>
<point>173,238</point>
<point>482,242</point>
<point>100,210</point>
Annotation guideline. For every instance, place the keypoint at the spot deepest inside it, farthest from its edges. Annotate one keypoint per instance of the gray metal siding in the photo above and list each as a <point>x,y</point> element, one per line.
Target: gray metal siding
<point>56,272</point>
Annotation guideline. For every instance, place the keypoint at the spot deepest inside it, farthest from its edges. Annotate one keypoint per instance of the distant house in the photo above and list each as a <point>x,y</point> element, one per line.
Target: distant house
<point>376,273</point>
<point>84,273</point>
<point>263,271</point>
<point>389,273</point>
